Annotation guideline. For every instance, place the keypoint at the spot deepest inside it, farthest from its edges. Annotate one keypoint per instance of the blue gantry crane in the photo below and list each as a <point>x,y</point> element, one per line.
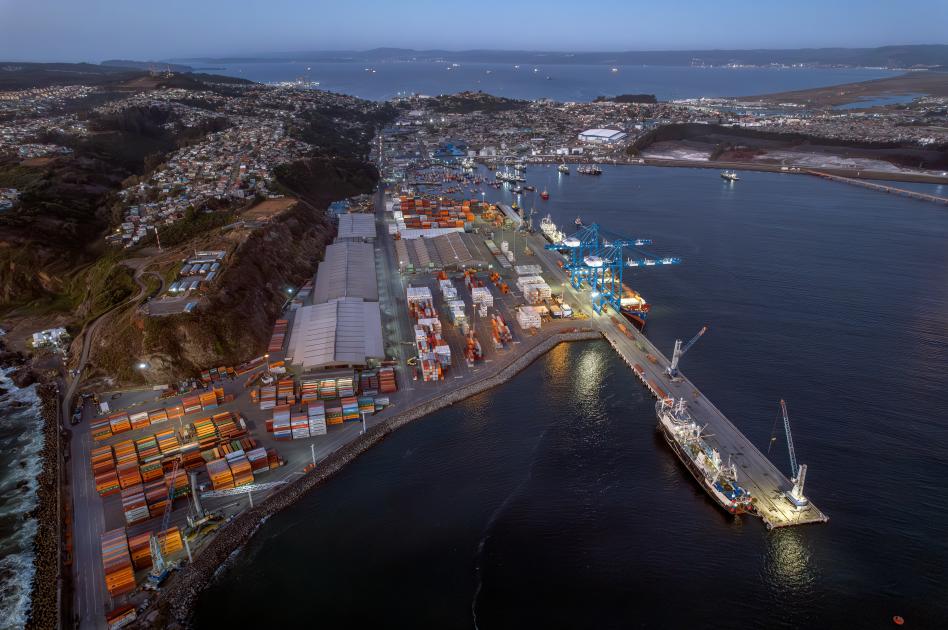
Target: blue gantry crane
<point>599,263</point>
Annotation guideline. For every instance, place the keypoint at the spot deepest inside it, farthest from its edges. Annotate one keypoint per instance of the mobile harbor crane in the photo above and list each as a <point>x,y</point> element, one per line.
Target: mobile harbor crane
<point>797,472</point>
<point>679,352</point>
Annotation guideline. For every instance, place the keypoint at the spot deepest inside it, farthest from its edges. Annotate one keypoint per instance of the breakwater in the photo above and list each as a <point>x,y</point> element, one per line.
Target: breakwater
<point>175,603</point>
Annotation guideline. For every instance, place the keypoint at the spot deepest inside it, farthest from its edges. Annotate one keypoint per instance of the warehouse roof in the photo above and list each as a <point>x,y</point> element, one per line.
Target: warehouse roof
<point>344,332</point>
<point>347,270</point>
<point>356,226</point>
<point>601,133</point>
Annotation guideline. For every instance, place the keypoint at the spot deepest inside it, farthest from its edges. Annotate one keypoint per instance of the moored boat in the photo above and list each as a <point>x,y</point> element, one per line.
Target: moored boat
<point>703,461</point>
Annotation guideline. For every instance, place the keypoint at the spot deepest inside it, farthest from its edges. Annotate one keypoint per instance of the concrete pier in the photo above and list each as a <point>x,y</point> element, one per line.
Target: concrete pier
<point>757,474</point>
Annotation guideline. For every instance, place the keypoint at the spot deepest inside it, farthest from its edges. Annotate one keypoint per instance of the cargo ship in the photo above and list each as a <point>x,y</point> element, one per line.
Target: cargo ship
<point>718,479</point>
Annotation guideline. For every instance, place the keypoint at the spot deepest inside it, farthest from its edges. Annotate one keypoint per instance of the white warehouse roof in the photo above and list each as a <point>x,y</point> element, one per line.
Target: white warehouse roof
<point>357,226</point>
<point>347,270</point>
<point>602,135</point>
<point>344,332</point>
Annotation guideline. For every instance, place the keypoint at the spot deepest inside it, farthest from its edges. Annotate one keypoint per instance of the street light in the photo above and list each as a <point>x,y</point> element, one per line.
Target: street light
<point>142,366</point>
<point>267,358</point>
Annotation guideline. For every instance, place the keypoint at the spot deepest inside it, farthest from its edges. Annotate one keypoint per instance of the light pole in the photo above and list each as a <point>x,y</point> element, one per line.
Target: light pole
<point>267,359</point>
<point>363,422</point>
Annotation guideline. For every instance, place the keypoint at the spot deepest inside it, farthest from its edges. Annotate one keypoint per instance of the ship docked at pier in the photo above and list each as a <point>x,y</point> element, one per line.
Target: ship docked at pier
<point>634,307</point>
<point>684,436</point>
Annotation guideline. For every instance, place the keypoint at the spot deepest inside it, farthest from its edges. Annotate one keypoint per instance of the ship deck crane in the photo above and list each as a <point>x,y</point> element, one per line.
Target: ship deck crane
<point>680,351</point>
<point>797,472</point>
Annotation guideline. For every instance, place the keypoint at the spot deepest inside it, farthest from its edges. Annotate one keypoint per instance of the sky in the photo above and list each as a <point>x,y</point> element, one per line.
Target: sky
<point>93,30</point>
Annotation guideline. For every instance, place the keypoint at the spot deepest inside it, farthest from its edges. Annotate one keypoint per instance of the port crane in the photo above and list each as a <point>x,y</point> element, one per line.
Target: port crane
<point>160,567</point>
<point>679,352</point>
<point>600,262</point>
<point>797,472</point>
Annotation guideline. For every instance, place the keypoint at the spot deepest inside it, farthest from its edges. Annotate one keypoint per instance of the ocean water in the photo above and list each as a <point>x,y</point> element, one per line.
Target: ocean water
<point>552,502</point>
<point>382,81</point>
<point>21,440</point>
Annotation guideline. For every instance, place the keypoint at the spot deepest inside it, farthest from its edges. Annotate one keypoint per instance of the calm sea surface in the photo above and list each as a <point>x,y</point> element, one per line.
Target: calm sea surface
<point>382,81</point>
<point>551,502</point>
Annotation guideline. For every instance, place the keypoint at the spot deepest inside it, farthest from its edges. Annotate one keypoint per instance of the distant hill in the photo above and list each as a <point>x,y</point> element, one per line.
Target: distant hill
<point>19,76</point>
<point>147,65</point>
<point>923,55</point>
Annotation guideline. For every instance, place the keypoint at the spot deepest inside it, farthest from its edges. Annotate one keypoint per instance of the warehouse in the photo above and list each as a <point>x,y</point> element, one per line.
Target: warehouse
<point>343,333</point>
<point>602,136</point>
<point>356,227</point>
<point>348,270</point>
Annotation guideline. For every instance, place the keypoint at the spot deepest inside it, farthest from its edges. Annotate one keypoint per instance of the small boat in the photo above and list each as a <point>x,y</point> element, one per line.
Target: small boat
<point>729,176</point>
<point>544,195</point>
<point>530,187</point>
<point>563,168</point>
<point>516,190</point>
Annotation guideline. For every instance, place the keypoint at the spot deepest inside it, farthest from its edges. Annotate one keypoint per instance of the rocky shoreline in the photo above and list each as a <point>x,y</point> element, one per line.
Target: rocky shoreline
<point>175,604</point>
<point>44,609</point>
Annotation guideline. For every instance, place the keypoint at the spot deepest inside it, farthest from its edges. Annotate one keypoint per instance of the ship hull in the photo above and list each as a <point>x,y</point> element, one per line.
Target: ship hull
<point>636,318</point>
<point>696,473</point>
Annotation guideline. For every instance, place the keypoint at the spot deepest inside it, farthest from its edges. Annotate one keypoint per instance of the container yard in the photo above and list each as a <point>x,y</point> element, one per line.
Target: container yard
<point>458,295</point>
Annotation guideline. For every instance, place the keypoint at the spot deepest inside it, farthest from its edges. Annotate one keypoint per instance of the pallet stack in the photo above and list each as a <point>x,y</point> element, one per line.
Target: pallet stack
<point>117,562</point>
<point>103,468</point>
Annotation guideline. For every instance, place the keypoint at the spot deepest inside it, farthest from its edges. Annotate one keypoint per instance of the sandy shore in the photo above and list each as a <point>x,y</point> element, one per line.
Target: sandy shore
<point>175,604</point>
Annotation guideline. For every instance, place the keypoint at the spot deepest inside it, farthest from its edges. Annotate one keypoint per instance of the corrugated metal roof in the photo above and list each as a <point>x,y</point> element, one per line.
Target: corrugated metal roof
<point>356,226</point>
<point>343,332</point>
<point>348,270</point>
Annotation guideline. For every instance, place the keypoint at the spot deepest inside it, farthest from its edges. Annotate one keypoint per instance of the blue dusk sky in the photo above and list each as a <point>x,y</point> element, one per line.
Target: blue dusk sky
<point>93,30</point>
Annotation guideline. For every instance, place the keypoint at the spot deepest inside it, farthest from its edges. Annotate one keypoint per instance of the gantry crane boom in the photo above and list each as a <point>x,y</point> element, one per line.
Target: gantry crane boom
<point>797,472</point>
<point>786,427</point>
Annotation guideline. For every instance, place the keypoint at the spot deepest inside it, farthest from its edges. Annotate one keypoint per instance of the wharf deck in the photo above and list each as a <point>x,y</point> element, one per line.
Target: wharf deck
<point>756,473</point>
<point>914,194</point>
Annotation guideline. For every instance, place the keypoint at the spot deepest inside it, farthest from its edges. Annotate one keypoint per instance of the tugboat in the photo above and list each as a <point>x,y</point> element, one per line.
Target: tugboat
<point>729,176</point>
<point>563,168</point>
<point>544,195</point>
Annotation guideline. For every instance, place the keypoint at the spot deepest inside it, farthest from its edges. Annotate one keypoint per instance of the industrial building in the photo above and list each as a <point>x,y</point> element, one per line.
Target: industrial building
<point>356,227</point>
<point>342,333</point>
<point>347,270</point>
<point>602,136</point>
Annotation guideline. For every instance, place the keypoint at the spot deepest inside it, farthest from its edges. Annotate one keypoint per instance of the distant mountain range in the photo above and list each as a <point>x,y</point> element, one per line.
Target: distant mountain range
<point>914,56</point>
<point>160,66</point>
